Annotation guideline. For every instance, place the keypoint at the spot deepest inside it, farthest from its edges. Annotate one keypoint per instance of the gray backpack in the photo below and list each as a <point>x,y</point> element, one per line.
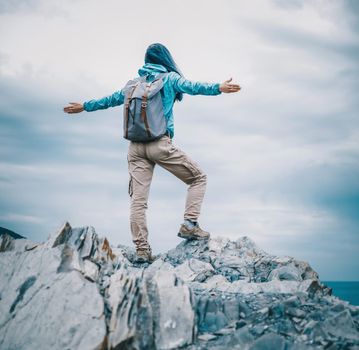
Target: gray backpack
<point>143,115</point>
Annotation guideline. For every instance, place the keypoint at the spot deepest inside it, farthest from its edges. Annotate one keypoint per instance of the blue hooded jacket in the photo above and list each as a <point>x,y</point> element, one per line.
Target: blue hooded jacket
<point>172,83</point>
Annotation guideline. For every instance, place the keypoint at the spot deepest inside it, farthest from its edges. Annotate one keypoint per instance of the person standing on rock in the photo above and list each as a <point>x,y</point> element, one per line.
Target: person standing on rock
<point>143,156</point>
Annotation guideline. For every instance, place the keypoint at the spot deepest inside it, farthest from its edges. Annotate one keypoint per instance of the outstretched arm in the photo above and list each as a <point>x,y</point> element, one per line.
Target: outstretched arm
<point>183,85</point>
<point>74,107</point>
<point>116,99</point>
<point>227,87</point>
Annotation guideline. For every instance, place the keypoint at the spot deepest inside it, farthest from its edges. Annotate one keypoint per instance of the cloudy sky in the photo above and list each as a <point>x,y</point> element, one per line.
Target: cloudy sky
<point>281,156</point>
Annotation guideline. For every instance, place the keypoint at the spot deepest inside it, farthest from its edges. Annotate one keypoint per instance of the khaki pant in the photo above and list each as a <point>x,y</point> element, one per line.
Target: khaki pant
<point>142,158</point>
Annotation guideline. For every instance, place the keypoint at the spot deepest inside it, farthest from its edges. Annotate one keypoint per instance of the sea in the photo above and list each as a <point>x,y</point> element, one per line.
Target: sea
<point>345,290</point>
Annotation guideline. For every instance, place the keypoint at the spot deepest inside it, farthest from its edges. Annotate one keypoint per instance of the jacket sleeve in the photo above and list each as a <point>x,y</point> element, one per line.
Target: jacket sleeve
<point>116,99</point>
<point>180,84</point>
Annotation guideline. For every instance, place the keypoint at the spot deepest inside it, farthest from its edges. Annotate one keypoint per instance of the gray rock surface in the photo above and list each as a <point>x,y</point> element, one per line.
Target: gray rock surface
<point>76,291</point>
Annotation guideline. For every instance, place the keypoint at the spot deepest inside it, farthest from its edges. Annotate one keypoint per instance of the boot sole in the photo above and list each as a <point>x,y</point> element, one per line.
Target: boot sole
<point>191,237</point>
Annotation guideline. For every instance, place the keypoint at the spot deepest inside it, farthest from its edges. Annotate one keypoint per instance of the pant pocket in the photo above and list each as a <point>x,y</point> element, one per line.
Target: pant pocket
<point>130,181</point>
<point>130,186</point>
<point>192,167</point>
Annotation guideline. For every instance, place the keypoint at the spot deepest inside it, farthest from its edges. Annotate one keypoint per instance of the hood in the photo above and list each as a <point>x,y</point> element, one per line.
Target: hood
<point>151,69</point>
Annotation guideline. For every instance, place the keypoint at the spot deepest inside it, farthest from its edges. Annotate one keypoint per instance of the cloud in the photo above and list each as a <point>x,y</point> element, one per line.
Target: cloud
<point>281,156</point>
<point>21,218</point>
<point>16,6</point>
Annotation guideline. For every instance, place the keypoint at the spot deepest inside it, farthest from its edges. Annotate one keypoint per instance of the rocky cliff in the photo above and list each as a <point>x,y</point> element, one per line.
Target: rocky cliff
<point>76,291</point>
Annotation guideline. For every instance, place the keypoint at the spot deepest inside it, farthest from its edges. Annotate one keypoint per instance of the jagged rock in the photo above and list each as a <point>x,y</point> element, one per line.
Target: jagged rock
<point>76,291</point>
<point>41,307</point>
<point>194,270</point>
<point>341,325</point>
<point>8,243</point>
<point>174,324</point>
<point>288,273</point>
<point>10,233</point>
<point>131,319</point>
<point>147,309</point>
<point>269,341</point>
<point>90,270</point>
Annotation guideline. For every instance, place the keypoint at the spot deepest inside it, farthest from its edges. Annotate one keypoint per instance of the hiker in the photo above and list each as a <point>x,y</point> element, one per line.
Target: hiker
<point>161,69</point>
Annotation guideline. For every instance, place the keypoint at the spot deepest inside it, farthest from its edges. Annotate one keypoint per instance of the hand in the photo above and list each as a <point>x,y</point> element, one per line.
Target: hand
<point>74,107</point>
<point>227,88</point>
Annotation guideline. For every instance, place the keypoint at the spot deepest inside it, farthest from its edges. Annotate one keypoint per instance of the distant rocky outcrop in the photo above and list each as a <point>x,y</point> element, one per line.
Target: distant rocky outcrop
<point>76,291</point>
<point>10,233</point>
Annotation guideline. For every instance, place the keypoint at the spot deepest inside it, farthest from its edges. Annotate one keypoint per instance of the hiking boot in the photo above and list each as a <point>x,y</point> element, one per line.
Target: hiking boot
<point>144,255</point>
<point>192,232</point>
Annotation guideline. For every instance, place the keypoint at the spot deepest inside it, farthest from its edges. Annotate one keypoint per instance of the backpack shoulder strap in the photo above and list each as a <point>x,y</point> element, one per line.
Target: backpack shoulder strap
<point>143,78</point>
<point>160,76</point>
